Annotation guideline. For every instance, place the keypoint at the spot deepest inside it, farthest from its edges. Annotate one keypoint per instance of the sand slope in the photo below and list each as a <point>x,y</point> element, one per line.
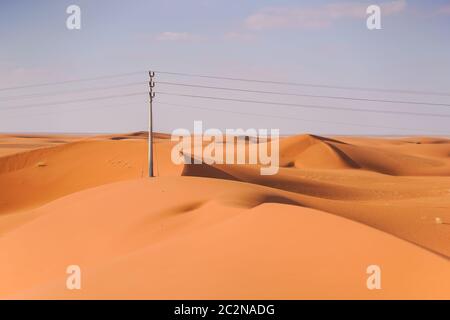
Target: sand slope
<point>216,245</point>
<point>34,177</point>
<point>336,177</point>
<point>224,231</point>
<point>17,143</point>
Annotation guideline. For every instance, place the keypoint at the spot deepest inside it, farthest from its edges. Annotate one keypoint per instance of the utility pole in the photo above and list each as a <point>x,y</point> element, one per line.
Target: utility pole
<point>151,85</point>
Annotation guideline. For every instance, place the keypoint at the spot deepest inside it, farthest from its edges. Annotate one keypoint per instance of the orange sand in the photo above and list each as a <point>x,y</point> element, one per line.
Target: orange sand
<point>336,206</point>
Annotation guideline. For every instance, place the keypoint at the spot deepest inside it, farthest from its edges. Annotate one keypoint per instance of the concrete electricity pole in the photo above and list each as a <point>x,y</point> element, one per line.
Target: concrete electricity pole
<point>150,124</point>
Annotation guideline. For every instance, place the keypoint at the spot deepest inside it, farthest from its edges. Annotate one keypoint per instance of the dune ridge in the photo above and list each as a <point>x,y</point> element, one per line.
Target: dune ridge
<point>337,205</point>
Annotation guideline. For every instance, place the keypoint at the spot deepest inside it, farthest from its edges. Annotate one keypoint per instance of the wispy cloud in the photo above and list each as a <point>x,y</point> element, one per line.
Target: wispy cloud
<point>178,36</point>
<point>444,10</point>
<point>314,17</point>
<point>239,36</point>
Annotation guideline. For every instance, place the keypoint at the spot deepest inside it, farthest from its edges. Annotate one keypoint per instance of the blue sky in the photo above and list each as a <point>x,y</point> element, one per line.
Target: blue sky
<point>323,42</point>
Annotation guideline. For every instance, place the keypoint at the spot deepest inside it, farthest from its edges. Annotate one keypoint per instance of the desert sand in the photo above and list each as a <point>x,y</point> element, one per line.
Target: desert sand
<point>337,205</point>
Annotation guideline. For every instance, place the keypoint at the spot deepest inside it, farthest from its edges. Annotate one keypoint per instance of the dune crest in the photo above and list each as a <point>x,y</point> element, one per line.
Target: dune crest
<point>224,231</point>
<point>219,246</point>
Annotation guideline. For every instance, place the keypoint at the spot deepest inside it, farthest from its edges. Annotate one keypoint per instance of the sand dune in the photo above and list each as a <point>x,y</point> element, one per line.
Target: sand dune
<point>226,240</point>
<point>341,182</point>
<point>224,231</point>
<point>419,157</point>
<point>47,173</point>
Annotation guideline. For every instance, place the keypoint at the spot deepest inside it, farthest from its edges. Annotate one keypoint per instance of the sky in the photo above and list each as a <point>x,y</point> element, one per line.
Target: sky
<point>307,42</point>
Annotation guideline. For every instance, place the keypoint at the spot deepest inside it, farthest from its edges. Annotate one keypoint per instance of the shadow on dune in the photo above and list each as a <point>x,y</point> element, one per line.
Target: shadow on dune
<point>395,157</point>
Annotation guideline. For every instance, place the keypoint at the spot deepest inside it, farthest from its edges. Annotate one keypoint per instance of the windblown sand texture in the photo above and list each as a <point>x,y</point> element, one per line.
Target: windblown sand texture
<point>337,205</point>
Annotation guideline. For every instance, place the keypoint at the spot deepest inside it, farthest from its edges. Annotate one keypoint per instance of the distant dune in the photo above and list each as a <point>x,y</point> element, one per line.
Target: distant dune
<point>337,205</point>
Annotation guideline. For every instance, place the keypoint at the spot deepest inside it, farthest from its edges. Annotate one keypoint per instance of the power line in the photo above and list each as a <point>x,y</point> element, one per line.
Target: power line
<point>48,94</point>
<point>242,113</point>
<point>77,109</point>
<point>295,118</point>
<point>46,84</point>
<point>73,101</point>
<point>227,99</point>
<point>313,85</point>
<point>9,98</point>
<point>305,105</point>
<point>235,112</point>
<point>235,100</point>
<point>302,95</point>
